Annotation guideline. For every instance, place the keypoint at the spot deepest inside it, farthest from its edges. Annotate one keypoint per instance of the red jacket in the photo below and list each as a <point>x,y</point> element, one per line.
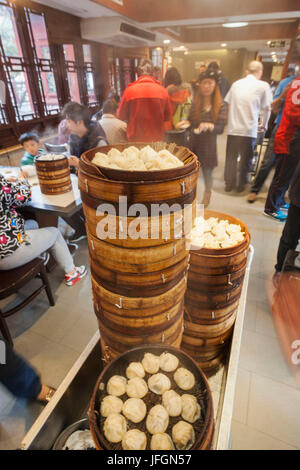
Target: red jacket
<point>145,106</point>
<point>290,119</point>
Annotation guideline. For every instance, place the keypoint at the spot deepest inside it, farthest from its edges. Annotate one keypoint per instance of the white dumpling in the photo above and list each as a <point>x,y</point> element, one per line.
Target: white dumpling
<point>168,362</point>
<point>110,404</point>
<point>184,378</point>
<point>183,435</point>
<point>151,363</point>
<point>116,385</point>
<point>115,427</point>
<point>157,420</point>
<point>172,402</point>
<point>190,408</point>
<point>134,440</point>
<point>136,388</point>
<point>161,441</point>
<point>134,409</point>
<point>159,383</point>
<point>100,159</point>
<point>131,152</point>
<point>114,153</point>
<point>135,369</point>
<point>146,153</point>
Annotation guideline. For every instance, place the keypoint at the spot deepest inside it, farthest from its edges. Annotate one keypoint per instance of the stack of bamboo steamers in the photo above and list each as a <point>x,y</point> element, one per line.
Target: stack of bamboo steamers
<point>215,280</point>
<point>138,283</point>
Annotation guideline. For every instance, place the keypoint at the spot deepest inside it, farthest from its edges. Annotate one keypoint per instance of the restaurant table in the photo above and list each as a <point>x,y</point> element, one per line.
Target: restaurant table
<point>47,208</point>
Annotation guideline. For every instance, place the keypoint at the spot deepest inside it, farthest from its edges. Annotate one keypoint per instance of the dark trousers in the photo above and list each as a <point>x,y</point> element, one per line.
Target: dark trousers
<point>290,235</point>
<point>238,146</point>
<point>285,168</point>
<point>18,376</point>
<point>266,165</point>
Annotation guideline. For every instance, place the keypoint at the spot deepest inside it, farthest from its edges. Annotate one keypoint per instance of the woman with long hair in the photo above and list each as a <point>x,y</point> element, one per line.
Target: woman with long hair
<point>207,119</point>
<point>179,94</point>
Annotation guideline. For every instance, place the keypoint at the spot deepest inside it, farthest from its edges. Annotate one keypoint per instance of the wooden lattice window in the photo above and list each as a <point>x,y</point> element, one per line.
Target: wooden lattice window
<point>43,62</point>
<point>16,68</point>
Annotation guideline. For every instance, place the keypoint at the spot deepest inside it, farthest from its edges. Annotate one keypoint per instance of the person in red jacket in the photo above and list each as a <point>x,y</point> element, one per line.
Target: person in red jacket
<point>285,162</point>
<point>145,106</point>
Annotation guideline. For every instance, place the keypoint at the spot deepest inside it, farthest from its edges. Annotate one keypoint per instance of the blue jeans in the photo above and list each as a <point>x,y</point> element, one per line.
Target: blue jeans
<point>18,376</point>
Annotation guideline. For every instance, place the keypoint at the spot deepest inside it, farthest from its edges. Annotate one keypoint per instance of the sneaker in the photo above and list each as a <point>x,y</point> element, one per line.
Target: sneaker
<point>251,198</point>
<point>80,272</point>
<point>285,207</point>
<point>277,215</point>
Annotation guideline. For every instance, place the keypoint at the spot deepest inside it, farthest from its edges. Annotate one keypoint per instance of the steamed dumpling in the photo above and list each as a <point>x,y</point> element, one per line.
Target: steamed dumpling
<point>100,159</point>
<point>130,152</point>
<point>146,153</point>
<point>183,435</point>
<point>134,409</point>
<point>113,153</point>
<point>190,408</point>
<point>157,420</point>
<point>168,362</point>
<point>116,385</point>
<point>134,440</point>
<point>161,441</point>
<point>135,369</point>
<point>159,383</point>
<point>172,402</point>
<point>115,427</point>
<point>110,404</point>
<point>136,388</point>
<point>184,378</point>
<point>151,363</point>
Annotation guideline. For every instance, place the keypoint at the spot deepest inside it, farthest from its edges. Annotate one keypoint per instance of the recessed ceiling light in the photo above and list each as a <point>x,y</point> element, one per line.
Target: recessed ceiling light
<point>224,44</point>
<point>235,25</point>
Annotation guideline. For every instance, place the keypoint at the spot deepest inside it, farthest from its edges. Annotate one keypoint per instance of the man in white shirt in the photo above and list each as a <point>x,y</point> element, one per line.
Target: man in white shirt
<point>247,97</point>
<point>114,128</point>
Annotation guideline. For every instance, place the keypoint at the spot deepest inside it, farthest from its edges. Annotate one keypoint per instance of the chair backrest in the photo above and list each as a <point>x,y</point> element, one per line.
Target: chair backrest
<point>56,148</point>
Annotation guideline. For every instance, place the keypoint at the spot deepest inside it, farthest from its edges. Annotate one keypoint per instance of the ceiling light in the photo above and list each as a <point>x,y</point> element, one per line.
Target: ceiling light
<point>224,44</point>
<point>167,41</point>
<point>235,25</point>
<point>181,47</point>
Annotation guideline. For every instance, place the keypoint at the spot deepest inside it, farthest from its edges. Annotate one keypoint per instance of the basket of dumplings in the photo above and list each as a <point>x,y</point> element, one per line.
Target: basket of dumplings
<point>153,397</point>
<point>218,232</point>
<point>139,161</point>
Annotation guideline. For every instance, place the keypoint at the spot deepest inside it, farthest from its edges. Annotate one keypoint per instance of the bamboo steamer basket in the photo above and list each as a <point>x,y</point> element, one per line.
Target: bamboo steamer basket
<point>204,427</point>
<point>138,282</point>
<point>54,176</point>
<point>165,190</point>
<point>215,280</point>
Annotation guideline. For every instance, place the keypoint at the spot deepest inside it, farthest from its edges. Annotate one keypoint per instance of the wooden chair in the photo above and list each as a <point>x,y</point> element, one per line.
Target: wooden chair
<point>12,280</point>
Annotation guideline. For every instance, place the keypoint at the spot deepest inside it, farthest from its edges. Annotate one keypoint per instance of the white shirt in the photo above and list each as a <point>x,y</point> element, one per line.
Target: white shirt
<point>114,128</point>
<point>246,98</point>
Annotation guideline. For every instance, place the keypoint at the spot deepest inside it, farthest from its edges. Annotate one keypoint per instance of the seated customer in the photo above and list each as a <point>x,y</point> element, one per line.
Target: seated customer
<point>32,146</point>
<point>85,134</point>
<point>114,128</point>
<point>19,246</point>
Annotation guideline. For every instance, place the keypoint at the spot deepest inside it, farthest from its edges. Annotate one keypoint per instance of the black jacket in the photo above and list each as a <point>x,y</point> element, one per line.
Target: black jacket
<point>90,140</point>
<point>294,192</point>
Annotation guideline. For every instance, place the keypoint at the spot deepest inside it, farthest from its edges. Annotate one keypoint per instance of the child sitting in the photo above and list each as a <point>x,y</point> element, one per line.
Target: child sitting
<point>32,146</point>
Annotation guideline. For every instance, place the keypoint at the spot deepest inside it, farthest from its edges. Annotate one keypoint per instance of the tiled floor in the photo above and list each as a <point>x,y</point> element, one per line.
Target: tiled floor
<point>267,400</point>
